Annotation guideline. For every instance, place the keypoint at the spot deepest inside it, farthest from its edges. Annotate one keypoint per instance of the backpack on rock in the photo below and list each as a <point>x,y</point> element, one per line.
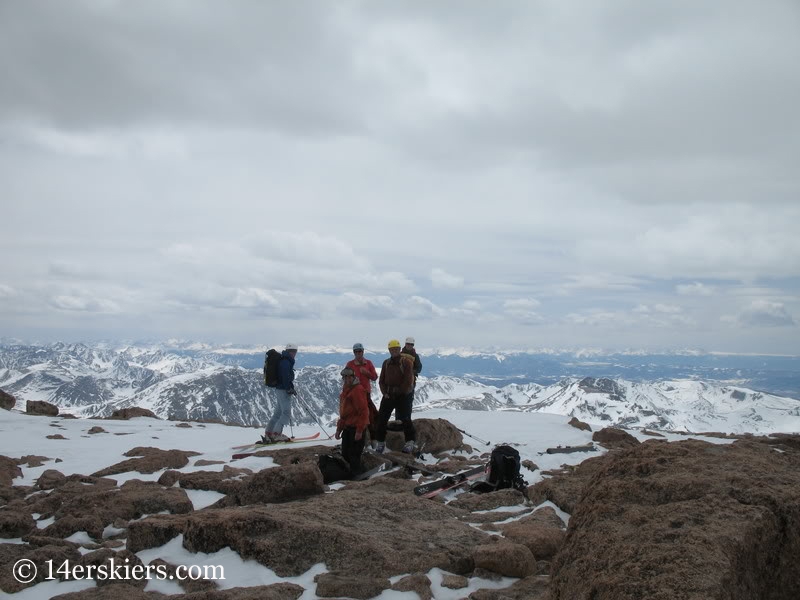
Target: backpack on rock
<point>504,467</point>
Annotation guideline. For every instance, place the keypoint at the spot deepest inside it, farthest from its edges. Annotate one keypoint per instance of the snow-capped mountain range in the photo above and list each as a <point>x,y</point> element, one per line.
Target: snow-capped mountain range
<point>96,380</point>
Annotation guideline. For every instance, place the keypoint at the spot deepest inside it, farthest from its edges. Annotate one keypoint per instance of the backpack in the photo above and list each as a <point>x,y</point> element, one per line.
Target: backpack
<point>271,362</point>
<point>333,468</point>
<point>504,468</point>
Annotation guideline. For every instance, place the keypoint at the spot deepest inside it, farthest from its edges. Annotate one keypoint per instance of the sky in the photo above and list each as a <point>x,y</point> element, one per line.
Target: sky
<point>507,175</point>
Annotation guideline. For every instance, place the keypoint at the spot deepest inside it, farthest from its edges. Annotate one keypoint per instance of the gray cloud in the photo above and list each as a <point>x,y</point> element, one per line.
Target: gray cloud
<point>763,313</point>
<point>359,167</point>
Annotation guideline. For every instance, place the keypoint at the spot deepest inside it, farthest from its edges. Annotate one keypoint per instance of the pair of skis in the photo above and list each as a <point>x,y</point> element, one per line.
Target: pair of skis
<point>253,448</point>
<point>450,482</point>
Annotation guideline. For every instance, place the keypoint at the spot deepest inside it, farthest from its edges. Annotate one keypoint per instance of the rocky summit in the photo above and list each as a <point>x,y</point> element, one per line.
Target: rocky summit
<point>655,519</point>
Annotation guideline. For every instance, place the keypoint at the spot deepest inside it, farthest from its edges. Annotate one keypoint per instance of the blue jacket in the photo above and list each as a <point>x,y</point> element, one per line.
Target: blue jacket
<point>286,372</point>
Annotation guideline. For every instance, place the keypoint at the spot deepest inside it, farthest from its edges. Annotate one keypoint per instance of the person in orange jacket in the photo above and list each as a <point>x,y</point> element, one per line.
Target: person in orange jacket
<point>353,419</point>
<point>366,374</point>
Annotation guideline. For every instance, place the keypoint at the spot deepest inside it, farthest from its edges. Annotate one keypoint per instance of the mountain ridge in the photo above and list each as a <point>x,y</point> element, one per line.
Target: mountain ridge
<point>95,381</point>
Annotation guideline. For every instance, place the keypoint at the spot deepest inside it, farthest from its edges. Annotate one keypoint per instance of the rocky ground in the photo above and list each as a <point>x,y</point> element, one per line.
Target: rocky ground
<point>655,520</point>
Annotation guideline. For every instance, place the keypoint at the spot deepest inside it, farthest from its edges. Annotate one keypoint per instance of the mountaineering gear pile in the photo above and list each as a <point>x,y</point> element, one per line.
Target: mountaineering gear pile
<point>433,488</point>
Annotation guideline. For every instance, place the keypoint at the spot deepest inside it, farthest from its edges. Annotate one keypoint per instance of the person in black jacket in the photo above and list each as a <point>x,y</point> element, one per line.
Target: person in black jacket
<point>284,392</point>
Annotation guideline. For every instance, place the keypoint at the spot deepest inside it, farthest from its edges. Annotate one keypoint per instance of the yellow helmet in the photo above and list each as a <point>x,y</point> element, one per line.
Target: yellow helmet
<point>394,344</point>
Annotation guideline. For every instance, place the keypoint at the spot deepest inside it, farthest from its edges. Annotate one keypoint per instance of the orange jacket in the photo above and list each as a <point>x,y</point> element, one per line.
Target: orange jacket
<point>353,409</point>
<point>365,378</point>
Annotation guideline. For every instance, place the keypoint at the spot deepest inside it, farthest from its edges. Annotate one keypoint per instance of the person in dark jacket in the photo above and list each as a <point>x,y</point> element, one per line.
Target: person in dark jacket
<point>284,392</point>
<point>396,382</point>
<point>353,419</point>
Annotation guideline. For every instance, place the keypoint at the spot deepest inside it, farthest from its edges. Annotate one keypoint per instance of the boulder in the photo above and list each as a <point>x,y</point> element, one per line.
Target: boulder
<point>505,558</point>
<point>33,460</point>
<point>419,584</point>
<point>534,587</point>
<point>579,424</point>
<point>42,408</point>
<point>278,484</point>
<point>123,414</point>
<point>50,479</point>
<point>542,532</point>
<point>372,526</point>
<point>612,437</point>
<point>96,429</point>
<point>7,401</point>
<point>8,470</point>
<point>151,460</point>
<point>91,507</point>
<point>227,481</point>
<point>710,520</point>
<point>332,585</point>
<point>39,556</point>
<point>115,592</point>
<point>15,524</point>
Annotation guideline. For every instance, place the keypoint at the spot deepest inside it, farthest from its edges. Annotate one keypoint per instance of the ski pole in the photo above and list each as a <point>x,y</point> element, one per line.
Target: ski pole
<point>312,413</point>
<point>473,437</point>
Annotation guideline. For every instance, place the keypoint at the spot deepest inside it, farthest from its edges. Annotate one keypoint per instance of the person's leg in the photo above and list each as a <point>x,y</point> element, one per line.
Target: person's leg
<point>372,428</point>
<point>404,414</point>
<point>384,412</point>
<point>352,449</point>
<point>285,404</point>
<point>276,414</point>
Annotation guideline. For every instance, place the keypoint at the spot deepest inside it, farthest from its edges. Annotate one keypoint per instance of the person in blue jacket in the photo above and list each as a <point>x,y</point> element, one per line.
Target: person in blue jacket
<point>284,392</point>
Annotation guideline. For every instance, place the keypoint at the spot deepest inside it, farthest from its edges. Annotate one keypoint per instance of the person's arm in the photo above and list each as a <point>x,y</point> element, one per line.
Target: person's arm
<point>382,381</point>
<point>417,365</point>
<point>371,372</point>
<point>408,378</point>
<point>362,408</point>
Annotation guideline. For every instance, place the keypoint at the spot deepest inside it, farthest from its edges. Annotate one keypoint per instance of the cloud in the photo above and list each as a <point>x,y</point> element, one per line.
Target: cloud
<point>764,313</point>
<point>306,248</point>
<point>694,289</point>
<point>642,316</point>
<point>442,279</point>
<point>82,303</point>
<point>6,291</point>
<point>417,307</point>
<point>523,310</point>
<point>361,306</point>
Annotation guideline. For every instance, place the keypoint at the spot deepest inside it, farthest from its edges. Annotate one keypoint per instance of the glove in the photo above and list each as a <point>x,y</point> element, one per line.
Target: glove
<point>291,392</point>
<point>338,434</point>
<point>359,434</point>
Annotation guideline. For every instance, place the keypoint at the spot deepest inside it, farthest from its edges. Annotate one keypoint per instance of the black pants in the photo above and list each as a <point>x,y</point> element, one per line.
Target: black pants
<point>352,449</point>
<point>401,405</point>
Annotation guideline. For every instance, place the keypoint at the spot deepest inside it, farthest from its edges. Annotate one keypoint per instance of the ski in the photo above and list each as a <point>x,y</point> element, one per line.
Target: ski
<point>432,488</point>
<point>569,449</point>
<point>408,461</point>
<point>289,441</point>
<point>370,473</point>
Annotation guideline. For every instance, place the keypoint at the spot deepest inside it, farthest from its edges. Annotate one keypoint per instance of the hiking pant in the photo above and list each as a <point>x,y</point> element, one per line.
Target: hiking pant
<point>282,414</point>
<point>352,449</point>
<point>372,428</point>
<point>401,405</point>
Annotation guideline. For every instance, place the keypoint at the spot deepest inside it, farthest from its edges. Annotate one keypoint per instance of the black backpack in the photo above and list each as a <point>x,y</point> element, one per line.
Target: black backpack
<point>271,362</point>
<point>333,468</point>
<point>504,468</point>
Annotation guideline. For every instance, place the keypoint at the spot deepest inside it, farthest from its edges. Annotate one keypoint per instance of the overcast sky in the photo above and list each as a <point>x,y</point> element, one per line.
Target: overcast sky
<point>511,175</point>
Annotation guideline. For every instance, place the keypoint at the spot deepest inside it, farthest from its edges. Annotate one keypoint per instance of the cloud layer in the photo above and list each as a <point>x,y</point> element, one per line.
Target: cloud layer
<point>521,174</point>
